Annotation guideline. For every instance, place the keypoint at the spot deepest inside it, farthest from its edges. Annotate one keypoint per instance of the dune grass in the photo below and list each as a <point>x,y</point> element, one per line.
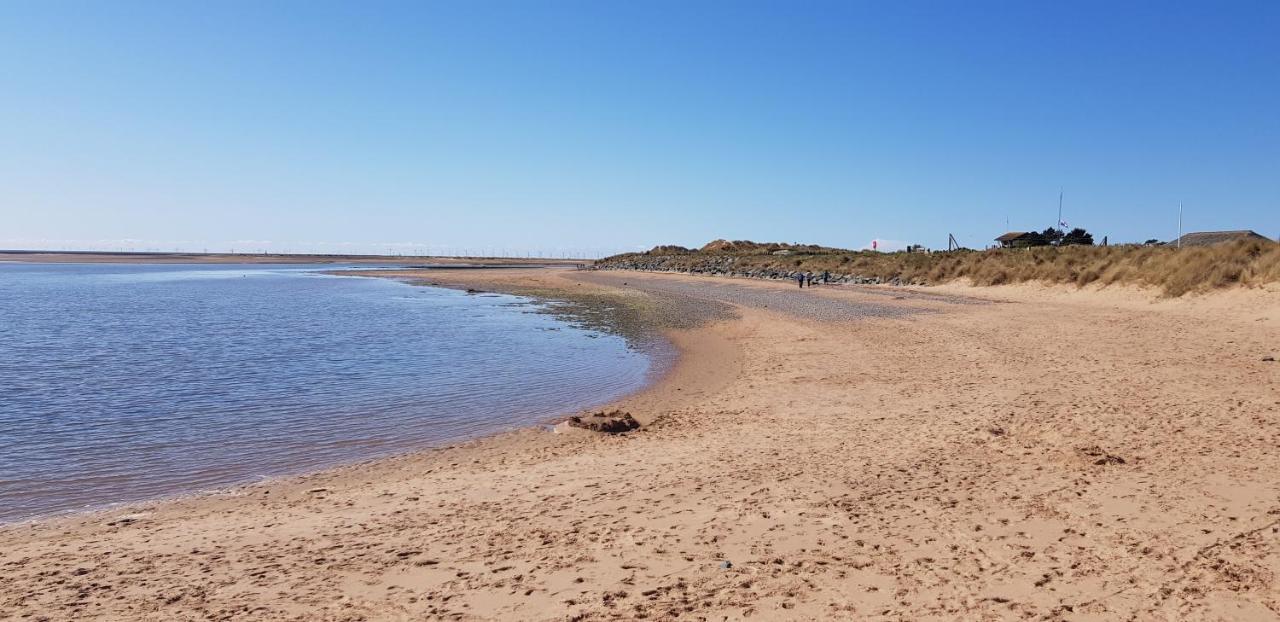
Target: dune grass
<point>1173,271</point>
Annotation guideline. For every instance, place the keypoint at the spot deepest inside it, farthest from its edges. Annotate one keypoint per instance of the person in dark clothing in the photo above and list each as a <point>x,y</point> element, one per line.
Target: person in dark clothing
<point>800,279</point>
<point>825,275</point>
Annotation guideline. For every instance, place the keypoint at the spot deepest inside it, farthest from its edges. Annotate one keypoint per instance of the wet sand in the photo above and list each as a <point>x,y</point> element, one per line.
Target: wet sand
<point>837,453</point>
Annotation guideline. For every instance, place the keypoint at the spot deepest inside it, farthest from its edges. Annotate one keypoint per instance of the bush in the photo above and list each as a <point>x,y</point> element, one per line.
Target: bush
<point>1077,237</point>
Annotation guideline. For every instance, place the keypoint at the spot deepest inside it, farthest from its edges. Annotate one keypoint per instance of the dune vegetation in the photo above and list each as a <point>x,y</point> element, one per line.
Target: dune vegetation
<point>1172,270</point>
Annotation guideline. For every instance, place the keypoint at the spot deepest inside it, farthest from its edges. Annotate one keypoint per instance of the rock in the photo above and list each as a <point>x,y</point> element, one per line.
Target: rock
<point>1268,359</point>
<point>726,564</point>
<point>615,422</point>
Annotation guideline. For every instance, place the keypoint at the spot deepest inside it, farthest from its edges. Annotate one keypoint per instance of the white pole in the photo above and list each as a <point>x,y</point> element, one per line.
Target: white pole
<point>1179,224</point>
<point>1058,225</point>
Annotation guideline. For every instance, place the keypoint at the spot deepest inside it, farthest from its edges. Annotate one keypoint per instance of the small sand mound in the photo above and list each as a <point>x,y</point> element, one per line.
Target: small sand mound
<point>615,422</point>
<point>1100,456</point>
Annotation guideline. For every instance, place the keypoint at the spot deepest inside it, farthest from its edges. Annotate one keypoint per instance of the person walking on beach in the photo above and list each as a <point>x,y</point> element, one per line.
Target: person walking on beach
<point>825,275</point>
<point>800,279</point>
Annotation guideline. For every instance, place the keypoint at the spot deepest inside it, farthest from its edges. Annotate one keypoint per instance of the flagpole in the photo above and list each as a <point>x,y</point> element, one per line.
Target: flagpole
<point>1059,225</point>
<point>1179,224</point>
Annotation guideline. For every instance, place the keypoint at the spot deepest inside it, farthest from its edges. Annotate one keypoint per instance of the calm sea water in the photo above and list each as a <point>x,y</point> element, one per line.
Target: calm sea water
<point>128,382</point>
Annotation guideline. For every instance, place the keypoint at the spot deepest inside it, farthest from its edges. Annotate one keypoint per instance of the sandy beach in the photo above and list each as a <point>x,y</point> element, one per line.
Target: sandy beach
<point>948,453</point>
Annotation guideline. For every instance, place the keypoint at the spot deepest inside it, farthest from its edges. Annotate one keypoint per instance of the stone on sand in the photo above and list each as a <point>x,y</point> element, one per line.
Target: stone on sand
<point>615,422</point>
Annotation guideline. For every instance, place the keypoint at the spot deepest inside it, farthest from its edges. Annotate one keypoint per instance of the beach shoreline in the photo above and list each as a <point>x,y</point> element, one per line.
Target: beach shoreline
<point>817,454</point>
<point>664,354</point>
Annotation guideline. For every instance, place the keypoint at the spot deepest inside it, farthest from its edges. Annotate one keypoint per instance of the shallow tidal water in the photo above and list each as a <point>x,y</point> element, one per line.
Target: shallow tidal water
<point>122,383</point>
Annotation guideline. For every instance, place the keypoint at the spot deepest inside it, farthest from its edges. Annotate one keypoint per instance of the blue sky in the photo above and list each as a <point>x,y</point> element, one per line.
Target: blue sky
<point>604,126</point>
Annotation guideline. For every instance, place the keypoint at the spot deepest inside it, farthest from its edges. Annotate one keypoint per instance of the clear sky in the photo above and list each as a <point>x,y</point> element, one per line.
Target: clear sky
<point>599,126</point>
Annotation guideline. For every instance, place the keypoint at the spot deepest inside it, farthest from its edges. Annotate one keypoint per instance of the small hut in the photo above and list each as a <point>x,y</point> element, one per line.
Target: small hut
<point>1209,238</point>
<point>1020,239</point>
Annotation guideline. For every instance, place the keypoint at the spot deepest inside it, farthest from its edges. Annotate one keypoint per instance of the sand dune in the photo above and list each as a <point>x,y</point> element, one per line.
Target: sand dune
<point>1024,454</point>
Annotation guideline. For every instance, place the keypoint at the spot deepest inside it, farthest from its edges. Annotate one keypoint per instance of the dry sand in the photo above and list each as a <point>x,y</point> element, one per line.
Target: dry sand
<point>1080,456</point>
